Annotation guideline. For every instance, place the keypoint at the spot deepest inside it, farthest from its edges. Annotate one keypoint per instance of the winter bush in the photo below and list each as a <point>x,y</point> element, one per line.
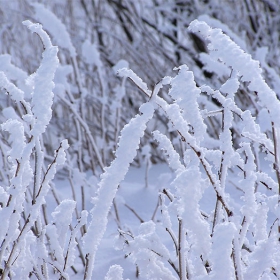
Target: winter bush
<point>215,121</point>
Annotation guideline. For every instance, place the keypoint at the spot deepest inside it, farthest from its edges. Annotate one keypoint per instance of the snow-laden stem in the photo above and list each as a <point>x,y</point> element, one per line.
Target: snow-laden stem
<point>216,213</point>
<point>183,267</point>
<point>113,175</point>
<point>38,169</point>
<point>236,259</point>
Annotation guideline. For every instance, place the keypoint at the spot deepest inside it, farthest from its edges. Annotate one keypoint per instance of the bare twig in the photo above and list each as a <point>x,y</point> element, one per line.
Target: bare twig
<point>134,212</point>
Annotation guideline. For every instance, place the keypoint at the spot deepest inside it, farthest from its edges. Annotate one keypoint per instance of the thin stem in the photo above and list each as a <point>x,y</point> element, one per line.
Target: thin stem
<point>174,239</point>
<point>134,212</point>
<point>277,168</point>
<point>183,269</point>
<point>156,208</point>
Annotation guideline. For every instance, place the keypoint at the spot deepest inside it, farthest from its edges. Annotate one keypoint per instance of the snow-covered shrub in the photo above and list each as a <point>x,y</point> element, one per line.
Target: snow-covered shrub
<point>216,123</point>
<point>29,244</point>
<point>222,208</point>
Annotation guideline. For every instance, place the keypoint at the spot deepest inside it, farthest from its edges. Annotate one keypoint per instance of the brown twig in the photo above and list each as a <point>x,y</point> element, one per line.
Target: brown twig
<point>134,212</point>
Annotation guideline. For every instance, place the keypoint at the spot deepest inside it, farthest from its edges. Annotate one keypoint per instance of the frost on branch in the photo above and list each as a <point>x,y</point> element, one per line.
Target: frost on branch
<point>185,93</point>
<point>42,97</point>
<point>223,49</point>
